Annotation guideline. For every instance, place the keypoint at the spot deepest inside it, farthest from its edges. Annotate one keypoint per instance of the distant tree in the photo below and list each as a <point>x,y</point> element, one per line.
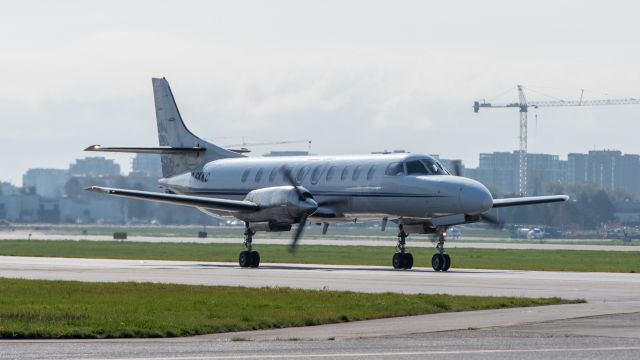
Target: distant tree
<point>603,207</point>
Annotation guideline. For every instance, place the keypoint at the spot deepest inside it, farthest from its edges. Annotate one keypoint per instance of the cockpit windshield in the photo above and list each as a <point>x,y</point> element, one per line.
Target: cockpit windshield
<point>434,167</point>
<point>416,167</point>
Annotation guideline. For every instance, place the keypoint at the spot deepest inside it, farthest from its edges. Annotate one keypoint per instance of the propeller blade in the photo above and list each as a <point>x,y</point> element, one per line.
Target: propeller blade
<point>298,234</point>
<point>457,167</point>
<point>492,220</point>
<point>291,181</point>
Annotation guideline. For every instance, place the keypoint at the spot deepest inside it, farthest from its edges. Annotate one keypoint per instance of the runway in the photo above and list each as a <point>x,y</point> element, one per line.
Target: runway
<point>390,241</point>
<point>614,300</point>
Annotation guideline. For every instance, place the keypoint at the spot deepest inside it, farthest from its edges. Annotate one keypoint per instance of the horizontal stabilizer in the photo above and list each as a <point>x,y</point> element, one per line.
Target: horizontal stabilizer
<point>186,200</point>
<point>165,150</point>
<point>531,200</point>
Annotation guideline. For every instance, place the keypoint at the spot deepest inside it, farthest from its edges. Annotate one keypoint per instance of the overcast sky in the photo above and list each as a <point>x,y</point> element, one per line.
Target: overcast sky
<point>353,76</point>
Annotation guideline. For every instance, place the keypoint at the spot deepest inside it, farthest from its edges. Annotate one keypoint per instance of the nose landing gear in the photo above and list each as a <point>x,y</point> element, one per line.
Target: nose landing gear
<point>402,259</point>
<point>441,261</point>
<point>249,257</point>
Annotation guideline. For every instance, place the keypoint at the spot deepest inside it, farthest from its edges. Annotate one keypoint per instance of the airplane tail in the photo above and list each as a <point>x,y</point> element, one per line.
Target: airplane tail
<point>180,150</point>
<point>173,133</point>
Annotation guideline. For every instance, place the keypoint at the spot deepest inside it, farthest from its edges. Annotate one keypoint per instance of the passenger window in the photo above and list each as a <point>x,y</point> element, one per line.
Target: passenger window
<point>245,175</point>
<point>356,173</point>
<point>315,176</point>
<point>416,168</point>
<point>330,173</point>
<point>273,174</point>
<point>345,173</point>
<point>395,169</point>
<point>301,174</point>
<point>259,175</point>
<point>371,172</point>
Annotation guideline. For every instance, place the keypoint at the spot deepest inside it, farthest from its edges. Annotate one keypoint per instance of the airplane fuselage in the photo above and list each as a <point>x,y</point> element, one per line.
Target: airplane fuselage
<point>363,187</point>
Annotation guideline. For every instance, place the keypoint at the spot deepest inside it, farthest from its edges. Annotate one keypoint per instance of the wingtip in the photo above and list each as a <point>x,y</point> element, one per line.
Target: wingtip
<point>95,189</point>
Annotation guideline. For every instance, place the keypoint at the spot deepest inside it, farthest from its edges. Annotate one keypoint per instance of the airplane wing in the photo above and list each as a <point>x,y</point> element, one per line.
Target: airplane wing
<point>531,200</point>
<point>186,200</point>
<point>150,150</point>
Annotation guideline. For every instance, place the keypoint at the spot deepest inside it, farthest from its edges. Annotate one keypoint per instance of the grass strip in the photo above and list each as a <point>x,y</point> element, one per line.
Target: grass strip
<point>507,259</point>
<point>39,309</point>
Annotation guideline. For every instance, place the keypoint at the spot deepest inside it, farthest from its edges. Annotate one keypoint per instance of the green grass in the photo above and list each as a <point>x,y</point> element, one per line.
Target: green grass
<point>69,309</point>
<point>545,260</point>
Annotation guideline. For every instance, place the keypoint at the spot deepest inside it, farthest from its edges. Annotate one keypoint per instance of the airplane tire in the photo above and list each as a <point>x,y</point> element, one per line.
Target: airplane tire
<point>447,262</point>
<point>244,259</point>
<point>407,260</point>
<point>437,262</point>
<point>255,259</point>
<point>397,261</point>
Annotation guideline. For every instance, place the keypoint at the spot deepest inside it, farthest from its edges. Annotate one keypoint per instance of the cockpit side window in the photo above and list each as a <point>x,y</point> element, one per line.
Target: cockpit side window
<point>394,169</point>
<point>434,167</point>
<point>416,167</point>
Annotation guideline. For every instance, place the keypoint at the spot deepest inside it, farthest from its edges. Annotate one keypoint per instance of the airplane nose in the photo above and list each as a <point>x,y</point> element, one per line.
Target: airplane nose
<point>475,198</point>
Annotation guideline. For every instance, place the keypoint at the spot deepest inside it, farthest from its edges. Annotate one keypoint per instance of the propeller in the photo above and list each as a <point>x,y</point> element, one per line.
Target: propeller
<point>303,219</point>
<point>298,234</point>
<point>291,181</point>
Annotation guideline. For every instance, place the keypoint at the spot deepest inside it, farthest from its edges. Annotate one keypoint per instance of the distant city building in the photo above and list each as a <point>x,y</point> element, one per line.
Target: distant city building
<point>146,165</point>
<point>287,153</point>
<point>500,171</point>
<point>7,188</point>
<point>608,169</point>
<point>94,167</point>
<point>577,168</point>
<point>46,182</point>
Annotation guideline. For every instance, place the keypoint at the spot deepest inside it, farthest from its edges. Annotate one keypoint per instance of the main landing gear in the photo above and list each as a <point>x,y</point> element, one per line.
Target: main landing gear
<point>249,257</point>
<point>441,261</point>
<point>402,259</point>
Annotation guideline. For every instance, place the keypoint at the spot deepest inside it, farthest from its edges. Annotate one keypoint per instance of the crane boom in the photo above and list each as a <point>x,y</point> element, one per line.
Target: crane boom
<point>524,105</point>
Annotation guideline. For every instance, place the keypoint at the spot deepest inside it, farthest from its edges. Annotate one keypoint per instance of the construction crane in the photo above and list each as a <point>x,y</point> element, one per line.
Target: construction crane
<point>242,147</point>
<point>524,105</point>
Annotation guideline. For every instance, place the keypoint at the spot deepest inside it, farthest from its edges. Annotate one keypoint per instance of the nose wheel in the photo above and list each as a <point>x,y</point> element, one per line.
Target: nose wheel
<point>249,257</point>
<point>441,261</point>
<point>402,259</point>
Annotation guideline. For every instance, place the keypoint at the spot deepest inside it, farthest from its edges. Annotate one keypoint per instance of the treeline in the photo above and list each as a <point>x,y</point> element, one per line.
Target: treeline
<point>588,208</point>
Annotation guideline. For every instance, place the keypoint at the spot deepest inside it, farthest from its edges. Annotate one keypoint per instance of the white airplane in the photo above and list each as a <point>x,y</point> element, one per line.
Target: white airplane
<point>272,194</point>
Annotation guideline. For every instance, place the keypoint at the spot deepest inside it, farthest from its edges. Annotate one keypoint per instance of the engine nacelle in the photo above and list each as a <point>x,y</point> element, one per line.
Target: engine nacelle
<point>279,204</point>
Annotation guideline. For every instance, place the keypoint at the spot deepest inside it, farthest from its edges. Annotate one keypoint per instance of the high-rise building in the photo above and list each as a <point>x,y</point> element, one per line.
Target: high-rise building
<point>500,170</point>
<point>146,165</point>
<point>577,168</point>
<point>94,166</point>
<point>46,182</point>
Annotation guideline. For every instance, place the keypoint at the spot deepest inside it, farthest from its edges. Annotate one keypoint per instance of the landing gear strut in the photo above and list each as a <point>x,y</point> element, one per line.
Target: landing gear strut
<point>248,257</point>
<point>441,261</point>
<point>402,259</point>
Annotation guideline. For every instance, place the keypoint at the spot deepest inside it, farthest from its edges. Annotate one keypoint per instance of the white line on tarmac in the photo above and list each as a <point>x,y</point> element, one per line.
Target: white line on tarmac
<point>384,354</point>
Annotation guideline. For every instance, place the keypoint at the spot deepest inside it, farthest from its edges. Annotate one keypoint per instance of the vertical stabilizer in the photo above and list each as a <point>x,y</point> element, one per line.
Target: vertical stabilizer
<point>172,132</point>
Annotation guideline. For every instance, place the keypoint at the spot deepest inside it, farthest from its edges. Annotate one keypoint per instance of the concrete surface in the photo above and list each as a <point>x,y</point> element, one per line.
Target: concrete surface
<point>389,241</point>
<point>608,326</point>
